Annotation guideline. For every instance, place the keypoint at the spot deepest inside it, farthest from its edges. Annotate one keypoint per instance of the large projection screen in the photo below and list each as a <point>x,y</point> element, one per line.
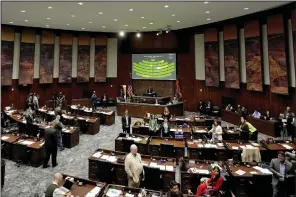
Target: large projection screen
<point>160,66</point>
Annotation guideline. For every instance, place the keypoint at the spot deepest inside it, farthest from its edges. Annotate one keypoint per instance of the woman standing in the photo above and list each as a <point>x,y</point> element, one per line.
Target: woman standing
<point>165,128</point>
<point>216,131</point>
<point>166,114</point>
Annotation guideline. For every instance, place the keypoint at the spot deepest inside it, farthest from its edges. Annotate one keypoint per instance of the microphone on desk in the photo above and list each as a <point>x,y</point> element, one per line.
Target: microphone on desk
<point>205,137</point>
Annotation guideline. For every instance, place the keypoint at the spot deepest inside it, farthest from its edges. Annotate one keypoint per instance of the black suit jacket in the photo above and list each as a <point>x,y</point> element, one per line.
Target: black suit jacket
<point>51,137</point>
<point>150,90</point>
<point>123,121</point>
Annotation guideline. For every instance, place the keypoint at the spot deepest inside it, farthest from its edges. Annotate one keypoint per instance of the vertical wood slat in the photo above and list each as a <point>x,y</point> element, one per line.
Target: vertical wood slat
<point>46,57</point>
<point>101,59</point>
<point>83,60</point>
<point>65,68</point>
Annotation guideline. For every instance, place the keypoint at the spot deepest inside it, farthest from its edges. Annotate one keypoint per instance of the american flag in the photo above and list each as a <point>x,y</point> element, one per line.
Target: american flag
<point>178,93</point>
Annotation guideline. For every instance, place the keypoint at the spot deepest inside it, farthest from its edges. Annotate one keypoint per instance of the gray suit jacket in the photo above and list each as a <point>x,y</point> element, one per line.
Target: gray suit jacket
<point>275,169</point>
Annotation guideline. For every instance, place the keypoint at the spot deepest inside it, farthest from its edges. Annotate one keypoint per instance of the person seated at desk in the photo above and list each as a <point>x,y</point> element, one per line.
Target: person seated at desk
<point>281,169</point>
<point>153,127</point>
<point>256,114</point>
<point>30,101</point>
<point>244,111</point>
<point>248,127</point>
<point>216,132</point>
<point>174,190</point>
<point>126,122</point>
<point>266,116</point>
<point>212,184</point>
<point>105,101</point>
<point>201,107</point>
<point>228,107</point>
<point>291,155</point>
<point>166,113</point>
<point>238,109</point>
<point>53,189</point>
<point>175,100</point>
<point>93,101</point>
<point>150,90</point>
<point>209,108</point>
<point>165,128</point>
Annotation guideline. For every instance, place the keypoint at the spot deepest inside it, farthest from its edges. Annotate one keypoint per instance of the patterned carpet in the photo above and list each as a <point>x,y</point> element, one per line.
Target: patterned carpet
<point>24,181</point>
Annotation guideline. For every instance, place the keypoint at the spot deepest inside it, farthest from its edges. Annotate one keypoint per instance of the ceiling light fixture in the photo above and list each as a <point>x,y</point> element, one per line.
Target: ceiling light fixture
<point>46,25</point>
<point>159,33</point>
<point>138,34</point>
<point>246,8</point>
<point>142,16</point>
<point>178,21</point>
<point>48,18</point>
<point>151,23</point>
<point>49,7</point>
<point>126,25</point>
<point>206,2</point>
<point>115,20</point>
<point>173,14</point>
<point>10,22</point>
<point>104,26</point>
<point>89,22</point>
<point>67,24</point>
<point>208,19</point>
<point>80,3</point>
<point>26,21</point>
<point>144,27</point>
<point>166,6</point>
<point>23,11</point>
<point>100,12</point>
<point>207,12</point>
<point>82,28</point>
<point>73,15</point>
<point>131,9</point>
<point>121,33</point>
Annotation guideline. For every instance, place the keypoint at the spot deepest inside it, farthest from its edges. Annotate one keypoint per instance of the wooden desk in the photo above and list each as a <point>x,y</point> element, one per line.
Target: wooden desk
<point>179,146</point>
<point>120,174</point>
<point>83,102</point>
<point>141,130</point>
<point>16,148</point>
<point>202,150</point>
<point>230,134</point>
<point>139,109</point>
<point>198,132</point>
<point>266,127</point>
<point>86,187</point>
<point>140,140</point>
<point>127,190</point>
<point>273,148</point>
<point>187,131</point>
<point>151,100</point>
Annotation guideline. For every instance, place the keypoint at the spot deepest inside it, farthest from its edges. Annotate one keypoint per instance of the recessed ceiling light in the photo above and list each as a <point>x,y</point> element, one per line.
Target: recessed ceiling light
<point>23,11</point>
<point>151,23</point>
<point>121,33</point>
<point>208,19</point>
<point>73,15</point>
<point>10,22</point>
<point>178,21</point>
<point>46,25</point>
<point>48,18</point>
<point>67,24</point>
<point>138,35</point>
<point>173,14</point>
<point>144,27</point>
<point>104,26</point>
<point>206,2</point>
<point>89,22</point>
<point>126,25</point>
<point>26,21</point>
<point>166,6</point>
<point>207,12</point>
<point>115,19</point>
<point>142,16</point>
<point>246,8</point>
<point>100,12</point>
<point>80,3</point>
<point>49,7</point>
<point>131,9</point>
<point>82,28</point>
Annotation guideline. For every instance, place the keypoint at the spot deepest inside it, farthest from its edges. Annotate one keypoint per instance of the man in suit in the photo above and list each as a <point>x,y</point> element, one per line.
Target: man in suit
<point>126,122</point>
<point>150,90</point>
<point>201,107</point>
<point>60,99</point>
<point>93,101</point>
<point>105,101</point>
<point>287,112</point>
<point>51,145</point>
<point>282,169</point>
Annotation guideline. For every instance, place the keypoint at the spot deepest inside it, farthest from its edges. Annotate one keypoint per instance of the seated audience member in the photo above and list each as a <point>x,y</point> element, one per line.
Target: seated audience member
<point>238,109</point>
<point>30,101</point>
<point>53,189</point>
<point>126,122</point>
<point>216,132</point>
<point>105,101</point>
<point>209,107</point>
<point>228,107</point>
<point>244,111</point>
<point>291,125</point>
<point>212,184</point>
<point>281,169</point>
<point>165,128</point>
<point>248,127</point>
<point>153,127</point>
<point>256,114</point>
<point>93,101</point>
<point>201,107</point>
<point>121,94</point>
<point>166,113</point>
<point>266,116</point>
<point>175,100</point>
<point>174,190</point>
<point>294,126</point>
<point>291,155</point>
<point>232,109</point>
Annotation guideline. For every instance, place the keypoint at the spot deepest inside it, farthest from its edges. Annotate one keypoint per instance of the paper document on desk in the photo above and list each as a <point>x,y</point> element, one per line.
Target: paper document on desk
<point>129,195</point>
<point>235,148</point>
<point>137,139</point>
<point>220,144</point>
<point>26,142</point>
<point>255,144</point>
<point>95,191</point>
<point>200,145</point>
<point>4,138</point>
<point>112,159</point>
<point>42,144</point>
<point>242,147</point>
<point>287,146</point>
<point>249,146</point>
<point>113,192</point>
<point>97,155</point>
<point>169,168</point>
<point>153,164</point>
<point>173,130</point>
<point>161,167</point>
<point>240,172</point>
<point>230,131</point>
<point>203,171</point>
<point>105,157</point>
<point>145,164</point>
<point>253,172</point>
<point>262,170</point>
<point>180,119</point>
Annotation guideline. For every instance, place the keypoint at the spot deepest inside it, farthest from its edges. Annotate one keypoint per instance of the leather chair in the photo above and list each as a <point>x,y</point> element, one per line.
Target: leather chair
<point>216,110</point>
<point>244,136</point>
<point>127,145</point>
<point>167,150</point>
<point>105,171</point>
<point>152,178</point>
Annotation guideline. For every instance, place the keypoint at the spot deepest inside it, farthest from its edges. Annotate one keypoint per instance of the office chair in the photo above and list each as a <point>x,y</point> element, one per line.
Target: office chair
<point>105,171</point>
<point>216,110</point>
<point>152,178</point>
<point>127,144</point>
<point>166,150</point>
<point>244,136</point>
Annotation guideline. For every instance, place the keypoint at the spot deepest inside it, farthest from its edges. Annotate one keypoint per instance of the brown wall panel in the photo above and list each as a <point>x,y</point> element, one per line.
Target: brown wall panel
<point>293,20</point>
<point>83,59</point>
<point>7,33</point>
<point>65,68</point>
<point>277,55</point>
<point>100,59</point>
<point>7,47</point>
<point>253,56</point>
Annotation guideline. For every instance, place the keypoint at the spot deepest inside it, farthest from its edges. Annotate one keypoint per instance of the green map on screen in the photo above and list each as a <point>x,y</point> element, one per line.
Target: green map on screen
<point>154,66</point>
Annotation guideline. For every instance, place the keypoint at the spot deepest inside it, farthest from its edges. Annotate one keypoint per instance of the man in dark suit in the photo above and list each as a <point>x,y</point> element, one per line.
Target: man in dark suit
<point>105,101</point>
<point>287,112</point>
<point>201,107</point>
<point>150,90</point>
<point>93,101</point>
<point>51,144</point>
<point>126,122</point>
<point>282,170</point>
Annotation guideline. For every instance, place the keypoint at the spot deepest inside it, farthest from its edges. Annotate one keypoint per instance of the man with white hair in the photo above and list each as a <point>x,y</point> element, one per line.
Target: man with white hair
<point>53,189</point>
<point>133,167</point>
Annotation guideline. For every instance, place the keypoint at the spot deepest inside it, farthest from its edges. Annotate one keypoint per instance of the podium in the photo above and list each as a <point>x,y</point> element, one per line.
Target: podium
<point>152,94</point>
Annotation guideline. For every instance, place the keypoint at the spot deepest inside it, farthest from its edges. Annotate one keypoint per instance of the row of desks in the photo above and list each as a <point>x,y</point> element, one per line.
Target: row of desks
<point>198,149</point>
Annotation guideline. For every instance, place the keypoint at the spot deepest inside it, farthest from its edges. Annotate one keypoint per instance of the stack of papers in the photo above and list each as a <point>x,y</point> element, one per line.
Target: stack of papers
<point>129,195</point>
<point>173,130</point>
<point>220,144</point>
<point>105,157</point>
<point>113,192</point>
<point>255,144</point>
<point>249,146</point>
<point>200,145</point>
<point>161,167</point>
<point>235,148</point>
<point>203,171</point>
<point>94,192</point>
<point>25,142</point>
<point>253,172</point>
<point>169,168</point>
<point>210,146</point>
<point>97,155</point>
<point>262,170</point>
<point>287,146</point>
<point>242,147</point>
<point>112,159</point>
<point>240,172</point>
<point>230,131</point>
<point>4,138</point>
<point>137,139</point>
<point>153,164</point>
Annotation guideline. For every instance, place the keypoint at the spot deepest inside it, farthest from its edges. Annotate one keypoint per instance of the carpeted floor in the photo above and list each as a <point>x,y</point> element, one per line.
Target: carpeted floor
<point>24,181</point>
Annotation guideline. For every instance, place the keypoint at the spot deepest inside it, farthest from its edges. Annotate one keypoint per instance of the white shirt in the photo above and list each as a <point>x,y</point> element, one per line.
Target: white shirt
<point>126,119</point>
<point>217,132</point>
